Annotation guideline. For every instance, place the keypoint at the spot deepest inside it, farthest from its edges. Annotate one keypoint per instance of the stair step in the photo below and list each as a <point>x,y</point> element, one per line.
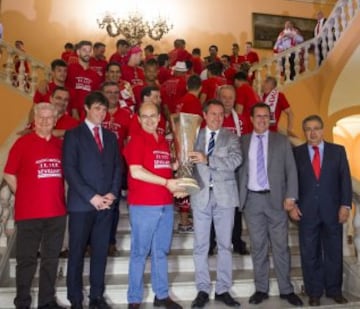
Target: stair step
<point>178,260</point>
<point>182,287</point>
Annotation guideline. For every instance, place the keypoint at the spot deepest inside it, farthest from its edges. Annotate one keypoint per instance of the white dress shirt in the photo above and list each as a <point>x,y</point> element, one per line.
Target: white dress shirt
<point>208,136</point>
<point>91,127</point>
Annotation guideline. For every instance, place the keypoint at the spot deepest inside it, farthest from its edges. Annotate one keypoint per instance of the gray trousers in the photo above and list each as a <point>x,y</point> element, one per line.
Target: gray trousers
<point>268,226</point>
<point>223,221</point>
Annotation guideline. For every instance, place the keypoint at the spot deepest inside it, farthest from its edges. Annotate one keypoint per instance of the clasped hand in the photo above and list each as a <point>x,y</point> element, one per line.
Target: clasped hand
<point>101,202</point>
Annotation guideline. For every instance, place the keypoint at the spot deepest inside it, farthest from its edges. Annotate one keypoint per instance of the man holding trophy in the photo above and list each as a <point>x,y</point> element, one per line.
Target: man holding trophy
<point>215,157</point>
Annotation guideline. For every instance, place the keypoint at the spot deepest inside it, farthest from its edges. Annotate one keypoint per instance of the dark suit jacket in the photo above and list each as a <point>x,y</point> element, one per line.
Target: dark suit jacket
<point>324,197</point>
<point>281,170</point>
<point>87,171</point>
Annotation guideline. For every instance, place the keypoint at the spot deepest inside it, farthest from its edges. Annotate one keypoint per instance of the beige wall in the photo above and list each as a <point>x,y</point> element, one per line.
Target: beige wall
<point>45,25</point>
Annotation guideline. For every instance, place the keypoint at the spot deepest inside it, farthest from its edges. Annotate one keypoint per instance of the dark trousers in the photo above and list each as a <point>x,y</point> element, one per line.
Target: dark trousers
<point>321,257</point>
<point>93,228</point>
<point>46,235</point>
<point>238,244</point>
<point>291,64</point>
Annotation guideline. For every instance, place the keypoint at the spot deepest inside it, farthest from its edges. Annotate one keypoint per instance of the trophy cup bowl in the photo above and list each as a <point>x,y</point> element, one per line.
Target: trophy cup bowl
<point>185,128</point>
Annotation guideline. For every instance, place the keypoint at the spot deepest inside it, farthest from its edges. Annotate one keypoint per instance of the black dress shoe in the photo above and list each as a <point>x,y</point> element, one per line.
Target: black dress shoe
<point>292,299</point>
<point>258,297</point>
<point>314,301</point>
<point>200,301</point>
<point>51,305</point>
<point>76,306</point>
<point>167,303</point>
<point>99,303</point>
<point>227,299</point>
<point>339,299</point>
<point>134,306</point>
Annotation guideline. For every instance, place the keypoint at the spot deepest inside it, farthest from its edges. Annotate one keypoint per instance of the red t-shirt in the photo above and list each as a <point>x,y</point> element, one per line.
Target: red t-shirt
<point>211,85</point>
<point>40,183</point>
<point>282,104</point>
<point>163,74</point>
<point>229,75</point>
<point>135,127</point>
<point>172,90</point>
<point>120,59</point>
<point>236,59</point>
<point>99,66</point>
<point>198,65</point>
<point>251,57</point>
<point>134,75</point>
<point>82,81</point>
<point>247,97</point>
<point>154,156</point>
<point>244,124</point>
<point>70,57</point>
<point>39,97</point>
<point>178,54</point>
<point>189,103</point>
<point>119,124</point>
<point>66,122</point>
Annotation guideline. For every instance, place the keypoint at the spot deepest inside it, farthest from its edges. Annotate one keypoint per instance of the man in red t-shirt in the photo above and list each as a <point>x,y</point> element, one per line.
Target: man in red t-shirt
<point>98,61</point>
<point>81,79</point>
<point>149,52</point>
<point>179,53</point>
<point>174,88</point>
<point>250,55</point>
<point>214,81</point>
<point>164,72</point>
<point>69,50</point>
<point>278,104</point>
<point>34,174</point>
<point>235,58</point>
<point>121,54</point>
<point>131,71</point>
<point>190,102</point>
<point>149,94</point>
<point>127,98</point>
<point>150,199</point>
<point>198,64</point>
<point>228,69</point>
<point>246,96</point>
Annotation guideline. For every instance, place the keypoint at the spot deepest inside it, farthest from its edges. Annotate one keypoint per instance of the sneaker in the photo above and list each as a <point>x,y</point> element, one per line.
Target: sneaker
<point>183,229</point>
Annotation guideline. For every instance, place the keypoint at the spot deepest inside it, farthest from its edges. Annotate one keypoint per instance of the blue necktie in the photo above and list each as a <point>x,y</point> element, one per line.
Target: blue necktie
<point>211,145</point>
<point>261,175</point>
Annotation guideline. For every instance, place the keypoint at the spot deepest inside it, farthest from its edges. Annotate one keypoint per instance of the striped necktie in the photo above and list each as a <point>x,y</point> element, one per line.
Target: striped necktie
<point>211,144</point>
<point>261,175</point>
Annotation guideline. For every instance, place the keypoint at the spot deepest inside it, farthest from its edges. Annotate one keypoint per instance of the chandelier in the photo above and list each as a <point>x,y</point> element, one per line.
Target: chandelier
<point>134,27</point>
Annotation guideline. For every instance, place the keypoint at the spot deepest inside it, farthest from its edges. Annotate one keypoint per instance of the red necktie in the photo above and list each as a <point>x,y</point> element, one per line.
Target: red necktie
<point>97,138</point>
<point>316,162</point>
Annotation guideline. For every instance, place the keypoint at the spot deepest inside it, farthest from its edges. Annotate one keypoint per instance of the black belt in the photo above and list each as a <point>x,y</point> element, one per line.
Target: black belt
<point>260,192</point>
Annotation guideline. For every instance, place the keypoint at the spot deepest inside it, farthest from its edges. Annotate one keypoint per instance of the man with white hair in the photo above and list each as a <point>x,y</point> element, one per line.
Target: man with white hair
<point>36,179</point>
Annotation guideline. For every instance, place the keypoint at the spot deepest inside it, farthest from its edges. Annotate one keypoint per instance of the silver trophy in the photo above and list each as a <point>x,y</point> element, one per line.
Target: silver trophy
<point>185,128</point>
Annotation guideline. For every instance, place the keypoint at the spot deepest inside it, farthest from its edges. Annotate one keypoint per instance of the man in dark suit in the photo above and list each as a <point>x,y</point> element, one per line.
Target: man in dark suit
<point>217,155</point>
<point>92,169</point>
<point>324,205</point>
<point>268,180</point>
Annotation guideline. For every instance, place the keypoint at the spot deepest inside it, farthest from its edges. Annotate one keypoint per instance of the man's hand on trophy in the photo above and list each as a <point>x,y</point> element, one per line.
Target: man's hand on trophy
<point>197,157</point>
<point>175,165</point>
<point>173,186</point>
<point>180,194</point>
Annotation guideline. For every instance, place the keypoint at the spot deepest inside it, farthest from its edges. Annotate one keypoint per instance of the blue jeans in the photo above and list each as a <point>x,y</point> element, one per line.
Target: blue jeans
<point>151,231</point>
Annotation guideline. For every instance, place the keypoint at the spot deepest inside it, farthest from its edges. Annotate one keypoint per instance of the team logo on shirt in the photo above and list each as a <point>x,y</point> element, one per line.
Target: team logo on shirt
<point>162,159</point>
<point>49,168</point>
<point>83,83</point>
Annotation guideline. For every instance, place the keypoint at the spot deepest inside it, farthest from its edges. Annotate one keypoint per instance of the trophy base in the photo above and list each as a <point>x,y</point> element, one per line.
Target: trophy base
<point>189,184</point>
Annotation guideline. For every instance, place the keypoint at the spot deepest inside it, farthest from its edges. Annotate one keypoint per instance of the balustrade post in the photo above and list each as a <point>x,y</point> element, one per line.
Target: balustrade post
<point>306,58</point>
<point>34,80</point>
<point>9,67</point>
<point>5,204</point>
<point>21,75</point>
<point>297,63</point>
<point>356,225</point>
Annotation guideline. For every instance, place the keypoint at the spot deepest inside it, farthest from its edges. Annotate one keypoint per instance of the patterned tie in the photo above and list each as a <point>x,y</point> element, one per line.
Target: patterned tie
<point>211,144</point>
<point>261,175</point>
<point>97,138</point>
<point>316,162</point>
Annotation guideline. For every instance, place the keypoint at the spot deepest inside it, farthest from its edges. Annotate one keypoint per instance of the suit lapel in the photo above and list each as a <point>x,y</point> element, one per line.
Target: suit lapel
<point>270,150</point>
<point>201,141</point>
<point>325,159</point>
<point>305,157</point>
<point>91,139</point>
